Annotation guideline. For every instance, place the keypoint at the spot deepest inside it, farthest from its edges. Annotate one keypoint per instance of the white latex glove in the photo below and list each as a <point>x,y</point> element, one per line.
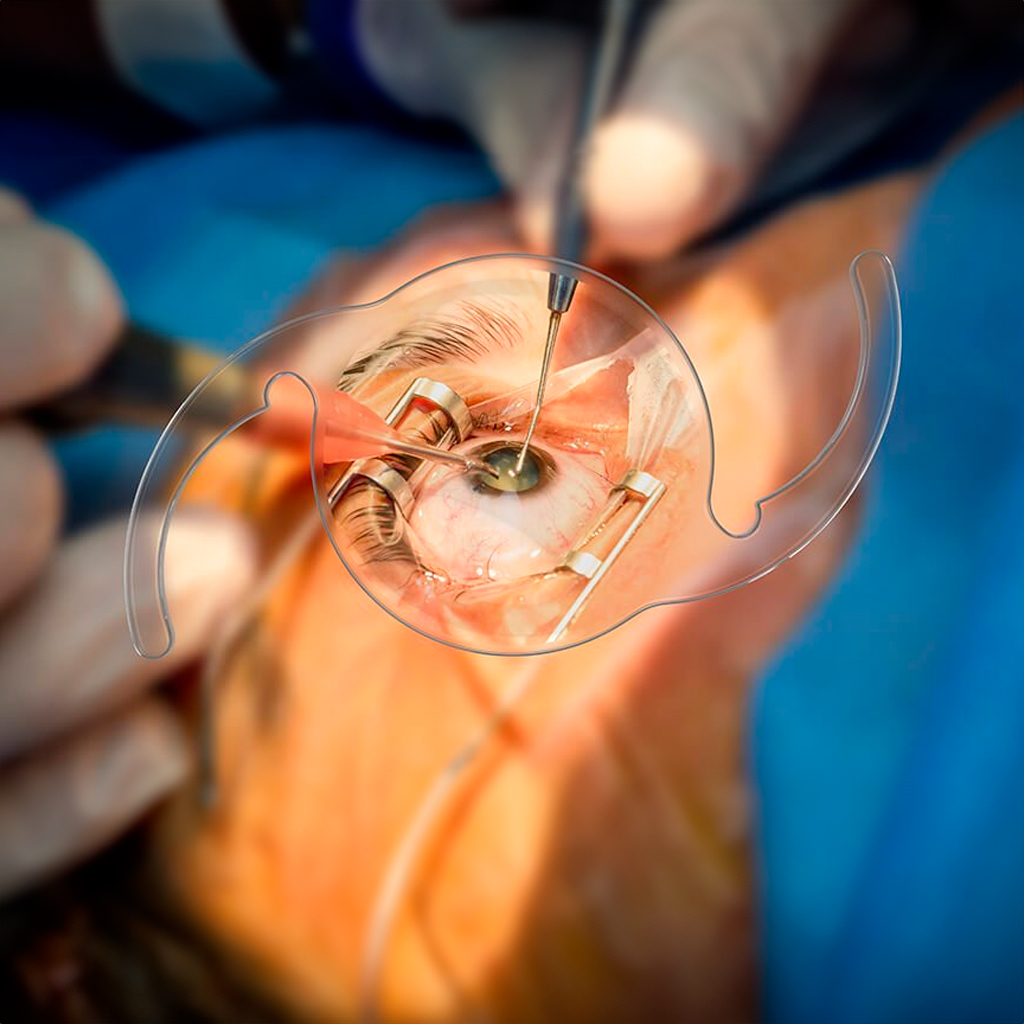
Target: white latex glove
<point>710,90</point>
<point>83,750</point>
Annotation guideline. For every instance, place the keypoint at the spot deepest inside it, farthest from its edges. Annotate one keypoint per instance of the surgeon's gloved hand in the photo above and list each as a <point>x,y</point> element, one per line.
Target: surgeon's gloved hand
<point>710,90</point>
<point>83,750</point>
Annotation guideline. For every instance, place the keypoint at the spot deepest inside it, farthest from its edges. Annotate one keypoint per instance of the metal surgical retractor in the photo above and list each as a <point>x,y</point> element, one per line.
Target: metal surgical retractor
<point>392,480</point>
<point>620,514</point>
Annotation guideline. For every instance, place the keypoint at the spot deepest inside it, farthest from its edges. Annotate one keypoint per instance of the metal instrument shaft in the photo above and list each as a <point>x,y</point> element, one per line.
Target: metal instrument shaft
<point>570,225</point>
<point>148,375</point>
<point>423,451</point>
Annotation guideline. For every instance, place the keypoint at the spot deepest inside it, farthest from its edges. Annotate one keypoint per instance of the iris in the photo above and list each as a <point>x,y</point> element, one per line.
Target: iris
<point>536,469</point>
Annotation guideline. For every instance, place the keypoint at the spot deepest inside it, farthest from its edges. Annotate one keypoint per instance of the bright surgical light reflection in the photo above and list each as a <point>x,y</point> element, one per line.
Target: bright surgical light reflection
<point>613,513</point>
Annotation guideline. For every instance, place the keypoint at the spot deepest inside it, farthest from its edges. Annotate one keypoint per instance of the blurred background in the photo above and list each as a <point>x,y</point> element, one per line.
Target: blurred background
<point>199,167</point>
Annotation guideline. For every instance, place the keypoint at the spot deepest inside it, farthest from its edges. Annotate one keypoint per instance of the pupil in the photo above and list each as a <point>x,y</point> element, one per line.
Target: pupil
<point>504,460</point>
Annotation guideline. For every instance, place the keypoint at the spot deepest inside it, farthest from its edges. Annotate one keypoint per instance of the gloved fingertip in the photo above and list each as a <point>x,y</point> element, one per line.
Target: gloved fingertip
<point>145,755</point>
<point>534,217</point>
<point>81,312</point>
<point>14,209</point>
<point>650,187</point>
<point>211,562</point>
<point>96,296</point>
<point>64,802</point>
<point>30,512</point>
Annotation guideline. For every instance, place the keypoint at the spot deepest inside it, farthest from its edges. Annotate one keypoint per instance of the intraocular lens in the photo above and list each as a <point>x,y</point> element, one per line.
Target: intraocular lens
<point>502,459</point>
<point>624,397</point>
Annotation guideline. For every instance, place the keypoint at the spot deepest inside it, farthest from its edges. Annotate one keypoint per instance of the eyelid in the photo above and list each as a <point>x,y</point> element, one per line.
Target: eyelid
<point>467,333</point>
<point>592,415</point>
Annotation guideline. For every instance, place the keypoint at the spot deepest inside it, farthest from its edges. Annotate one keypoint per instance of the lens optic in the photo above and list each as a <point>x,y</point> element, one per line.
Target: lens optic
<point>502,458</point>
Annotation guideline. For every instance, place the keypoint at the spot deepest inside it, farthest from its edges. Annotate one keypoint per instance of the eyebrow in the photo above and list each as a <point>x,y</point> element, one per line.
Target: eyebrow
<point>472,332</point>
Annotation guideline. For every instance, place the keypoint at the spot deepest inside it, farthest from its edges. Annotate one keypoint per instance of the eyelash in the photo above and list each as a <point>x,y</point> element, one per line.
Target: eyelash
<point>378,533</point>
<point>473,332</point>
<point>372,525</point>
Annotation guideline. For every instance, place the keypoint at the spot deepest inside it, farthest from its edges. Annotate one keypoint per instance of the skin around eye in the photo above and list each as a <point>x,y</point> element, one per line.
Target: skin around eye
<point>473,534</point>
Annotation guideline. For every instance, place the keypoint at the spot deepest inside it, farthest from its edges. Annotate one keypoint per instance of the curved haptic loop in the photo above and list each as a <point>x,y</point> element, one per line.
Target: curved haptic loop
<point>145,586</point>
<point>840,465</point>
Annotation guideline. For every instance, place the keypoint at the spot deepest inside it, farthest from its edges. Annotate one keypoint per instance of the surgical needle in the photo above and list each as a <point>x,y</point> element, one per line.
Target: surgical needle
<point>422,451</point>
<point>570,227</point>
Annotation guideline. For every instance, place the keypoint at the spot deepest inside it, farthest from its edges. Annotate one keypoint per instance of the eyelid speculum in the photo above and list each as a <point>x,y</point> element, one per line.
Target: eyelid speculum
<point>637,492</point>
<point>598,545</point>
<point>392,481</point>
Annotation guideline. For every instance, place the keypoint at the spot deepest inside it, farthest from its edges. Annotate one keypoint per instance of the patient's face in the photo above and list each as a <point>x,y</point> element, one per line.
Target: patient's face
<point>588,860</point>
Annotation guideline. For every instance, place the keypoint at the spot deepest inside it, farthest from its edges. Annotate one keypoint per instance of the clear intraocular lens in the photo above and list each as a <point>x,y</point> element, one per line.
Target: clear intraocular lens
<point>507,475</point>
<point>615,508</point>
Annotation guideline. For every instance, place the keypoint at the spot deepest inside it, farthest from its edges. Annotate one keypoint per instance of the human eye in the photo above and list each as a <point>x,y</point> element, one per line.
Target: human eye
<point>427,532</point>
<point>480,533</point>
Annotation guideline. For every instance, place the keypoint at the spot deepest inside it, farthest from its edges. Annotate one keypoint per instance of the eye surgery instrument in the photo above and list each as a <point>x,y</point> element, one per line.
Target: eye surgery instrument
<point>147,375</point>
<point>570,220</point>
